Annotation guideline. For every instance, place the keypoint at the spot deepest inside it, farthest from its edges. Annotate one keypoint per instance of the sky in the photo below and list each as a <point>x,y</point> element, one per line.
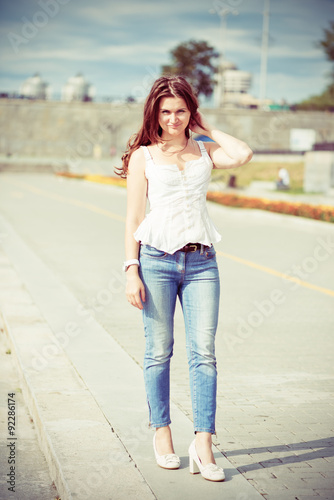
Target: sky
<point>120,46</point>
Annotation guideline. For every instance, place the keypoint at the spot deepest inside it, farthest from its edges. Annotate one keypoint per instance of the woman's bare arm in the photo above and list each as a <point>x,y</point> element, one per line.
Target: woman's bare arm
<point>135,213</point>
<point>226,151</point>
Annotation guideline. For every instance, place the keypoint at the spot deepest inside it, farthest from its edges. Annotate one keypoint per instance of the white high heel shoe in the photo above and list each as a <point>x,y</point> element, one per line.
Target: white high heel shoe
<point>169,461</point>
<point>211,472</point>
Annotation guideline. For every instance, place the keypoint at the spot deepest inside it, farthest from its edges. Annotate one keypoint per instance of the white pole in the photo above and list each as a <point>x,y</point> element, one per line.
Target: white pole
<point>222,57</point>
<point>264,51</point>
<point>223,13</point>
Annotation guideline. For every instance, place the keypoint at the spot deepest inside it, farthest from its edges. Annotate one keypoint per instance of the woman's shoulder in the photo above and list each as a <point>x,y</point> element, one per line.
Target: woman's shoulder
<point>210,147</point>
<point>138,154</point>
<point>137,159</point>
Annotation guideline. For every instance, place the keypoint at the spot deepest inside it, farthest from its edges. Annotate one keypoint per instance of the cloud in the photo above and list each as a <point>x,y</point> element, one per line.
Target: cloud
<point>288,87</point>
<point>113,43</point>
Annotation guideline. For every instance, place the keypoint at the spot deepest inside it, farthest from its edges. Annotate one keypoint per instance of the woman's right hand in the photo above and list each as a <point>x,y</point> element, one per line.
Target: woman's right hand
<point>135,290</point>
<point>204,128</point>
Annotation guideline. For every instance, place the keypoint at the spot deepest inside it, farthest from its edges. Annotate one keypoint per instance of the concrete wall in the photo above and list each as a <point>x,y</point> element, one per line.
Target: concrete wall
<point>91,130</point>
<point>319,172</point>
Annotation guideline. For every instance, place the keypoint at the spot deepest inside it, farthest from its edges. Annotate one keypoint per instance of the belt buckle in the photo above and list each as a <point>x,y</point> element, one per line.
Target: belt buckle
<point>194,245</point>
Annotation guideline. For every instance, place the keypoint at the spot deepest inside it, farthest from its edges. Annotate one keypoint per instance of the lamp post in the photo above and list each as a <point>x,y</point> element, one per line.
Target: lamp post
<point>222,13</point>
<point>264,51</point>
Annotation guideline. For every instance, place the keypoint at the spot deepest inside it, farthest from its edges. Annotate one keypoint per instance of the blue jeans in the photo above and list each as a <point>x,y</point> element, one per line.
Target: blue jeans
<point>194,278</point>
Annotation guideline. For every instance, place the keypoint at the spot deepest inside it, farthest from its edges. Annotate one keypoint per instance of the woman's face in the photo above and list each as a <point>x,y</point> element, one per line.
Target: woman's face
<point>174,116</point>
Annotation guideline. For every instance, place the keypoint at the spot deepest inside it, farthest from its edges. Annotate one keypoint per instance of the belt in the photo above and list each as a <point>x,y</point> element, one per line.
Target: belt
<point>192,247</point>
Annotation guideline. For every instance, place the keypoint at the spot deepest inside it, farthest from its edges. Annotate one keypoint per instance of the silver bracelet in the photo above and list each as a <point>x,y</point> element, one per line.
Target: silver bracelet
<point>129,263</point>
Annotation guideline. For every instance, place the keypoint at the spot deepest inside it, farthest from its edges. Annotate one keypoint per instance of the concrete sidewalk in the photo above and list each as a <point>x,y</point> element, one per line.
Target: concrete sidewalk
<point>25,473</point>
<point>86,396</point>
<point>312,199</point>
<point>259,190</point>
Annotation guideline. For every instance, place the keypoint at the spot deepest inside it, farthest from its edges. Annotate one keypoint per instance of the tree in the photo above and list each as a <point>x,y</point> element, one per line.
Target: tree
<point>328,43</point>
<point>324,101</point>
<point>193,60</point>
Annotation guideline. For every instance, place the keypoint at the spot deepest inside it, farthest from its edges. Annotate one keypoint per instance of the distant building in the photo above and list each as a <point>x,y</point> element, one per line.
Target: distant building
<point>35,88</point>
<point>232,88</point>
<point>77,89</point>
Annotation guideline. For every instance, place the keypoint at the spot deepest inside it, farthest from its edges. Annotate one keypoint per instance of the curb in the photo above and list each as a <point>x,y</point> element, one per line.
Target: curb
<point>44,439</point>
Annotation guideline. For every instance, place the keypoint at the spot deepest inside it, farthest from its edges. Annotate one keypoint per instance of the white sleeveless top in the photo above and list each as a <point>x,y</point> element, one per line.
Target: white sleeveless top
<point>178,212</point>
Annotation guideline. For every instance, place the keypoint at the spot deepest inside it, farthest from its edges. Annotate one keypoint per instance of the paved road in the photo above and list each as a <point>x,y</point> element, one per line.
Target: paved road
<point>274,340</point>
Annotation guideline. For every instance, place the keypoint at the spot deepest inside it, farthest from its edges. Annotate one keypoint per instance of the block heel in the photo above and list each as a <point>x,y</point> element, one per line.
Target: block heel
<point>211,472</point>
<point>193,468</point>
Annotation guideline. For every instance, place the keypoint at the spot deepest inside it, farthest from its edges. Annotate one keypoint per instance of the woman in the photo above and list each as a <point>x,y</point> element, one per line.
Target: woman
<point>170,253</point>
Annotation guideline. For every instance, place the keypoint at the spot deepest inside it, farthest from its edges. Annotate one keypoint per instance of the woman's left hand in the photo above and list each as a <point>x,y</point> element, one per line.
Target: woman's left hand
<point>204,128</point>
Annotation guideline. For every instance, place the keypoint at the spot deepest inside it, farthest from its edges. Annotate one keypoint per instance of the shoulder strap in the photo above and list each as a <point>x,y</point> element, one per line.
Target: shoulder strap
<point>202,147</point>
<point>147,154</point>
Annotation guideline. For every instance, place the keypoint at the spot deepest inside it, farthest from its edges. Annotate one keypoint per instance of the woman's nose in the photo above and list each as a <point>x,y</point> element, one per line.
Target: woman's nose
<point>172,118</point>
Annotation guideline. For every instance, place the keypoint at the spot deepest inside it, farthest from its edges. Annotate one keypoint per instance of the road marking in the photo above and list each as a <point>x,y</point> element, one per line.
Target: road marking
<point>268,270</point>
<point>107,213</point>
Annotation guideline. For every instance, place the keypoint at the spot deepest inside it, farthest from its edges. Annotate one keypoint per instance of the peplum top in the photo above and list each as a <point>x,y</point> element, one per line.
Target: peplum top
<point>178,211</point>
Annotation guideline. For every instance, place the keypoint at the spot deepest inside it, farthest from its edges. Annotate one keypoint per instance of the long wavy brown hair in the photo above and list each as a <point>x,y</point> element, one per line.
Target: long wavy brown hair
<point>150,131</point>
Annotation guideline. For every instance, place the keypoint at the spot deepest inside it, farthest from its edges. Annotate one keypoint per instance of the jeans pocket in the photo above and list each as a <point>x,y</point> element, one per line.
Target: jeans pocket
<point>152,252</point>
<point>210,252</point>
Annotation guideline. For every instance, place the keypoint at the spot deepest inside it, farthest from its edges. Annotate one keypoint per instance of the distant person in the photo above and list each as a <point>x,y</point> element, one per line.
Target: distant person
<point>232,182</point>
<point>283,181</point>
<point>170,254</point>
